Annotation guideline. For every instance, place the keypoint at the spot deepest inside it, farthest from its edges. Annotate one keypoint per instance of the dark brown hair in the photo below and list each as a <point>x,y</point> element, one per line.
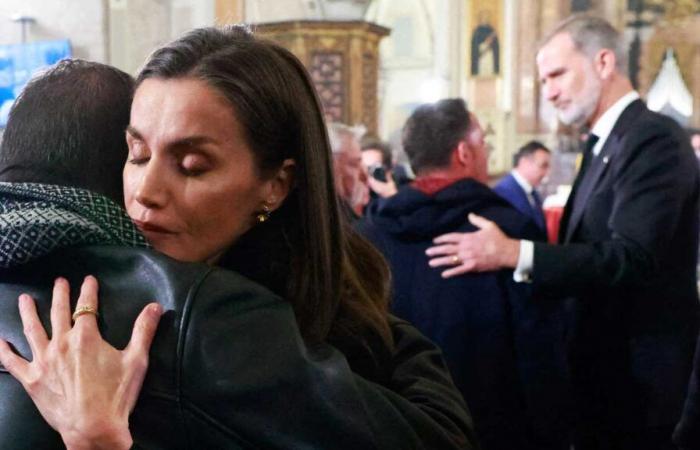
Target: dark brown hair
<point>67,128</point>
<point>529,149</point>
<point>433,131</point>
<point>337,282</point>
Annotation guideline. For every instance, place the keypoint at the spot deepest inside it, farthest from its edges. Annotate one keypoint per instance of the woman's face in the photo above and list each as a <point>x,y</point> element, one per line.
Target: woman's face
<point>190,183</point>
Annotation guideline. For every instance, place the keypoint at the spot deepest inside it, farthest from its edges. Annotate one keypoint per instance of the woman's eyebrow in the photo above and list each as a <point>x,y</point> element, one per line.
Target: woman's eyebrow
<point>189,141</point>
<point>133,132</point>
<point>192,141</point>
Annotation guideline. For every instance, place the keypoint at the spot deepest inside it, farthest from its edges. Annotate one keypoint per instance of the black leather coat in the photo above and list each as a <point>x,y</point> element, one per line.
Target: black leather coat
<point>228,368</point>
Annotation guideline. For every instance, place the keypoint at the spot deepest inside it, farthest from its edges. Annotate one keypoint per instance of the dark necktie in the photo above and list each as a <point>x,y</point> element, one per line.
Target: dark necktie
<point>587,155</point>
<point>536,198</point>
<point>585,164</point>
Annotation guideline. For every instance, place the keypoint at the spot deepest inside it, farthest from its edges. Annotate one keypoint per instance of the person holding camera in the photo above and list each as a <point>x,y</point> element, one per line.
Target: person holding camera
<point>377,159</point>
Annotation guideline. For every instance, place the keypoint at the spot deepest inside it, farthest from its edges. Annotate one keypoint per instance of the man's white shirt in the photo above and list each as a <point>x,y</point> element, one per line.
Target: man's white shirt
<point>525,186</point>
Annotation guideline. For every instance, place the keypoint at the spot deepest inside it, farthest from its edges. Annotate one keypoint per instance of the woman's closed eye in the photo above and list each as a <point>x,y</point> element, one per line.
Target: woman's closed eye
<point>138,153</point>
<point>138,156</point>
<point>138,161</point>
<point>193,165</point>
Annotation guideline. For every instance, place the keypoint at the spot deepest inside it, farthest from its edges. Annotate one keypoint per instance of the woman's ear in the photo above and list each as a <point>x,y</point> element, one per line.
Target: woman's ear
<point>279,186</point>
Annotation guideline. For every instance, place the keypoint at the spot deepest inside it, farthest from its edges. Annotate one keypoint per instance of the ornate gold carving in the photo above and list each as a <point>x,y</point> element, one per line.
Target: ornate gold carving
<point>343,60</point>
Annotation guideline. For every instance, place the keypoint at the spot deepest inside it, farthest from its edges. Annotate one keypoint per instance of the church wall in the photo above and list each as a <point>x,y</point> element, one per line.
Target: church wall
<point>84,22</point>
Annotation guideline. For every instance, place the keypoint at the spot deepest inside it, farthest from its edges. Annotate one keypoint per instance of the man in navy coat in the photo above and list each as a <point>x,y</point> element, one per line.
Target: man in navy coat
<point>627,251</point>
<point>501,348</point>
<point>519,187</point>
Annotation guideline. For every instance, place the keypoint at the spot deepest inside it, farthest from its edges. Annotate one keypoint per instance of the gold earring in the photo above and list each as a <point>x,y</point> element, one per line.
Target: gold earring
<point>263,215</point>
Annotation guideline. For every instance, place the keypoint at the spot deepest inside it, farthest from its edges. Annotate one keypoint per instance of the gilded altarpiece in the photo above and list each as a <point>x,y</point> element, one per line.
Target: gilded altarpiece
<point>343,60</point>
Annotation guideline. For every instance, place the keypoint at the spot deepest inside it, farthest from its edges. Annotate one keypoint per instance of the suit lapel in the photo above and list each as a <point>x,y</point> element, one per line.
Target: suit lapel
<point>576,205</point>
<point>520,193</point>
<point>525,205</point>
<point>590,180</point>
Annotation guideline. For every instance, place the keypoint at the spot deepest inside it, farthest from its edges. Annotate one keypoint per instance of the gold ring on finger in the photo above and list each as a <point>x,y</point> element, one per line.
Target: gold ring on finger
<point>456,260</point>
<point>85,309</point>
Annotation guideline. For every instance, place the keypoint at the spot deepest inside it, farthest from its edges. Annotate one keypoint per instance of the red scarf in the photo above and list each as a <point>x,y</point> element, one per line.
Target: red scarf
<point>429,185</point>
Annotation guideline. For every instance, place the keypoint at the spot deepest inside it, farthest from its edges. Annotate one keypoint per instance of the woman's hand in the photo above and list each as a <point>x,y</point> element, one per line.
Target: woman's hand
<point>83,387</point>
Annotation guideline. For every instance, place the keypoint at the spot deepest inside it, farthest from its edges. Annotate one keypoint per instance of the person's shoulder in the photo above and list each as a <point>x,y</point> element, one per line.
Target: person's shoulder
<point>138,264</point>
<point>504,184</point>
<point>512,221</point>
<point>650,133</point>
<point>509,189</point>
<point>644,123</point>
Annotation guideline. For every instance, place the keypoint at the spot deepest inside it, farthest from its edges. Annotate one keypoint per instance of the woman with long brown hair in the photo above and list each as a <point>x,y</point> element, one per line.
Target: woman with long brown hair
<point>229,164</point>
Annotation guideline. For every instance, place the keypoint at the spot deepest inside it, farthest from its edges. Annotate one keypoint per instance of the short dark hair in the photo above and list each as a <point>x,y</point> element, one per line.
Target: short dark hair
<point>433,131</point>
<point>527,150</point>
<point>67,128</point>
<point>374,143</point>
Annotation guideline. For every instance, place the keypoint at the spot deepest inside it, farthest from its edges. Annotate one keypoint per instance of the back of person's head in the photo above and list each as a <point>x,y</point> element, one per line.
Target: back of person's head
<point>528,150</point>
<point>67,128</point>
<point>274,99</point>
<point>374,143</point>
<point>591,34</point>
<point>433,131</point>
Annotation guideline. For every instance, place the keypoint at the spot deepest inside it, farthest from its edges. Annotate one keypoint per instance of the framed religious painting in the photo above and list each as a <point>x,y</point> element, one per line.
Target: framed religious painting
<point>485,35</point>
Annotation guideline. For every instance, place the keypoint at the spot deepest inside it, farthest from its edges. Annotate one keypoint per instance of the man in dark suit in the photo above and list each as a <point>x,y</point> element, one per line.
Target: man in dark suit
<point>628,243</point>
<point>519,187</point>
<point>497,344</point>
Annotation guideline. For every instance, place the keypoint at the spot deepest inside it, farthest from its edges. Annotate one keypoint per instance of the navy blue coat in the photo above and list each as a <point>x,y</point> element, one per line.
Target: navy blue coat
<point>509,189</point>
<point>505,352</point>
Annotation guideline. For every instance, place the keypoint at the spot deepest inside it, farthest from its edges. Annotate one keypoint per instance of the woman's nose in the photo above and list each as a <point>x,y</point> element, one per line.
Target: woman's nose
<point>151,189</point>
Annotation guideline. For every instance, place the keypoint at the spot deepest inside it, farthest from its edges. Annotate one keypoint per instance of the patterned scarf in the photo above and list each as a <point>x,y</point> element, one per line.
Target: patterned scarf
<point>36,219</point>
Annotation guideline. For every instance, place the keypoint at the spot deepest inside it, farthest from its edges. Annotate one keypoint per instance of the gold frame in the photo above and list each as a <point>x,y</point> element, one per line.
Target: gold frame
<point>490,14</point>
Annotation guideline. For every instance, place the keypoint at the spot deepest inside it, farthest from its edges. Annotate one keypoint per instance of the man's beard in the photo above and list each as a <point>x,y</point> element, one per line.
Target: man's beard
<point>579,112</point>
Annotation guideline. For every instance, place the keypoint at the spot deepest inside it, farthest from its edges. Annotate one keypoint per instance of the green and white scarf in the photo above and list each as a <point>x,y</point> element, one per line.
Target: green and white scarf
<point>36,219</point>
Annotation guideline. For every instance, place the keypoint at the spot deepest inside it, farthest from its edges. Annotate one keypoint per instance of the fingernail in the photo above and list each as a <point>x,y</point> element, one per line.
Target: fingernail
<point>156,309</point>
<point>24,298</point>
<point>60,280</point>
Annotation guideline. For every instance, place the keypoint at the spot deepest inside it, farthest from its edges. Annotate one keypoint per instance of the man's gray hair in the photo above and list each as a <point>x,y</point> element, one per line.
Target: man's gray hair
<point>337,131</point>
<point>590,35</point>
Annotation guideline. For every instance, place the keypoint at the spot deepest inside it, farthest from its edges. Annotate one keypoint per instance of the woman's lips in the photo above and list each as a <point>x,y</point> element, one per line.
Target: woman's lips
<point>151,227</point>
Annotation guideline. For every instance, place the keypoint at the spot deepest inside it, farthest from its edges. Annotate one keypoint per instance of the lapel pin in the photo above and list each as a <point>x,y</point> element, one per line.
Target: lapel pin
<point>606,159</point>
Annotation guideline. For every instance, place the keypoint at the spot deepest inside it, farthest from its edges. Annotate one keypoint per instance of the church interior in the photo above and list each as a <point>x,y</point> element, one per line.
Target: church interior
<point>374,64</point>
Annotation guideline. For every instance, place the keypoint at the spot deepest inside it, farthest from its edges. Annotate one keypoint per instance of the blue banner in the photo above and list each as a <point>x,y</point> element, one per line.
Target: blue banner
<point>19,62</point>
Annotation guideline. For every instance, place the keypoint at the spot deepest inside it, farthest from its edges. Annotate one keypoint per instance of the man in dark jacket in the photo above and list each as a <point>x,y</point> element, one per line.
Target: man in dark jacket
<point>627,253</point>
<point>228,368</point>
<point>503,350</point>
